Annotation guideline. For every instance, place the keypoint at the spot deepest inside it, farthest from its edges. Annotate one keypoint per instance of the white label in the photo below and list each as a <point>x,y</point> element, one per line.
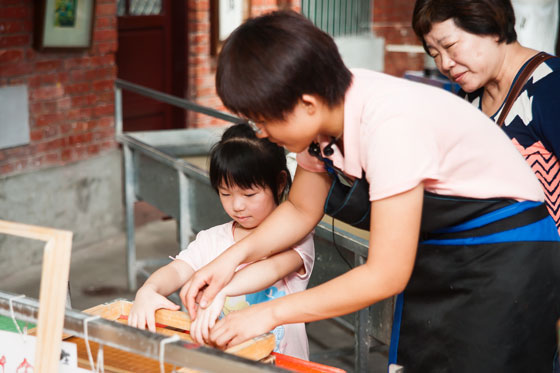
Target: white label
<point>17,354</point>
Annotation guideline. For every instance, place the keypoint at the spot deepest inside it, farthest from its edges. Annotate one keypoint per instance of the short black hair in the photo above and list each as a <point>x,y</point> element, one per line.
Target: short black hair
<point>479,17</point>
<point>240,158</point>
<point>269,62</point>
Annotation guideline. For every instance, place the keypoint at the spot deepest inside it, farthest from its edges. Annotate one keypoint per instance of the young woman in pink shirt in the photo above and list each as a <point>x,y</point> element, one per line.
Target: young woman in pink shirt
<point>458,228</point>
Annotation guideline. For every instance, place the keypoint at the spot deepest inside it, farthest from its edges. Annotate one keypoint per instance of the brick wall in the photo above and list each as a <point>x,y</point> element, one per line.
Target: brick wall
<point>392,21</point>
<point>71,108</point>
<point>201,62</point>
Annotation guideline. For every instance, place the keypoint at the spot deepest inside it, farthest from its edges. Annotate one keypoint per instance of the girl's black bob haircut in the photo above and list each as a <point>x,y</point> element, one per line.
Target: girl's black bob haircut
<point>269,62</point>
<point>241,159</point>
<point>479,17</point>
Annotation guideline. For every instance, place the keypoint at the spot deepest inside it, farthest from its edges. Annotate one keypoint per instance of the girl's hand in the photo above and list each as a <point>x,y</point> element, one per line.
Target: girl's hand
<point>143,310</point>
<point>200,328</point>
<point>239,326</point>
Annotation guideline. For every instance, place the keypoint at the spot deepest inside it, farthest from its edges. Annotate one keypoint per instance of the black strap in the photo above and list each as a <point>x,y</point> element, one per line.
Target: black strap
<point>523,77</point>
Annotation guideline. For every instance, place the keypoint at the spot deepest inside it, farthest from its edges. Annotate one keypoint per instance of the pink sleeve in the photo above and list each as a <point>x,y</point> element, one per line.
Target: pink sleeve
<point>306,249</point>
<point>192,254</point>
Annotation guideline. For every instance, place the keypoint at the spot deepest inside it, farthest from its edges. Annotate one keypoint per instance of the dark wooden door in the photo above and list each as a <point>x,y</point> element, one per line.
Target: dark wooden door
<point>151,53</point>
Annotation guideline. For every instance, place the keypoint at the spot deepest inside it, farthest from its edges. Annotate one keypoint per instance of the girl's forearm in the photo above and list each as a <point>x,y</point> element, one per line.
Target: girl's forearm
<point>169,278</point>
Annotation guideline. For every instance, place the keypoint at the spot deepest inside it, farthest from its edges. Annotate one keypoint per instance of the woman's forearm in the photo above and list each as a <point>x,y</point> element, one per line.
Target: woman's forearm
<point>394,230</point>
<point>347,293</point>
<point>291,221</point>
<point>259,275</point>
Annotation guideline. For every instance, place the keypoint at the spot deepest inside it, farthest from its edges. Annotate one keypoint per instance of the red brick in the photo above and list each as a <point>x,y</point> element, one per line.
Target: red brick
<point>14,12</point>
<point>105,60</point>
<point>11,27</point>
<point>106,9</point>
<point>48,119</point>
<point>15,70</point>
<point>83,101</point>
<point>79,114</point>
<point>65,128</point>
<point>49,146</point>
<point>77,88</point>
<point>105,35</point>
<point>36,135</point>
<point>64,103</point>
<point>78,62</point>
<point>47,93</point>
<point>103,85</point>
<point>6,169</point>
<point>18,151</point>
<point>105,47</point>
<point>11,55</point>
<point>93,149</point>
<point>107,97</point>
<point>47,66</point>
<point>14,41</point>
<point>44,107</point>
<point>103,134</point>
<point>106,122</point>
<point>66,155</point>
<point>51,131</point>
<point>104,110</point>
<point>52,158</point>
<point>48,79</point>
<point>93,74</point>
<point>105,22</point>
<point>80,138</point>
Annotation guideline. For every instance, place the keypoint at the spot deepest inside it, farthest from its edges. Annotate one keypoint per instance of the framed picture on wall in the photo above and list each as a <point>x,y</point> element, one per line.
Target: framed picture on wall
<point>63,24</point>
<point>226,15</point>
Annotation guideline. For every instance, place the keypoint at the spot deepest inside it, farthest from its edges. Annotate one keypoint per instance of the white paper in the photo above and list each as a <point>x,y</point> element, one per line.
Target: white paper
<point>17,354</point>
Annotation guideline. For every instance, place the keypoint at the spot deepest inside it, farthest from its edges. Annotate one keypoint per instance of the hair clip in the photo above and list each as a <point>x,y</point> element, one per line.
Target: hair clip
<point>254,126</point>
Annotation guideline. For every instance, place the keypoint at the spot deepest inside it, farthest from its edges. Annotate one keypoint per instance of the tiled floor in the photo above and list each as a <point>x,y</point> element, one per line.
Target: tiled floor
<point>98,275</point>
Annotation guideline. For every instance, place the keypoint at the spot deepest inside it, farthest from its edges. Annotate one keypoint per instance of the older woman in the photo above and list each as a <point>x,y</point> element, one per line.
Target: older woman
<point>474,43</point>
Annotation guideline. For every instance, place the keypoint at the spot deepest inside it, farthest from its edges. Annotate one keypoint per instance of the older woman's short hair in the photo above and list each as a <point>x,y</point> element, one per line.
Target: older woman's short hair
<point>479,17</point>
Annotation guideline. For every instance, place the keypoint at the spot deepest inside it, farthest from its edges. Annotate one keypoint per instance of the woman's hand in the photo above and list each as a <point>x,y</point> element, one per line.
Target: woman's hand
<point>200,328</point>
<point>203,286</point>
<point>239,326</point>
<point>143,310</point>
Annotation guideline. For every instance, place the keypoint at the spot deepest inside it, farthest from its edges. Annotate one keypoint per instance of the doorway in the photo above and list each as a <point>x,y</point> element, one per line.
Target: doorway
<point>151,53</point>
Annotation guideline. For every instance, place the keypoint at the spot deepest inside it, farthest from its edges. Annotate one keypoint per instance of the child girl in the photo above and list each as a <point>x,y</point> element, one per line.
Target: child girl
<point>458,227</point>
<point>251,177</point>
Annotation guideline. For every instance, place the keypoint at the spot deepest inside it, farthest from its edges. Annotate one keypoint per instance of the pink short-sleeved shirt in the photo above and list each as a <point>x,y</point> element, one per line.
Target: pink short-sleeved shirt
<point>402,133</point>
<point>291,339</point>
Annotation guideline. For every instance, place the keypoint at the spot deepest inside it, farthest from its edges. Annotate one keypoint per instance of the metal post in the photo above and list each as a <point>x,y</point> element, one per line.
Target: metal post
<point>363,333</point>
<point>118,112</point>
<point>183,225</point>
<point>129,199</point>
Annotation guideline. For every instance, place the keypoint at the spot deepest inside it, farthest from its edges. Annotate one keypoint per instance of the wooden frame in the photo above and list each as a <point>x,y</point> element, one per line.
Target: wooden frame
<point>225,16</point>
<point>179,323</point>
<point>62,25</point>
<point>53,289</point>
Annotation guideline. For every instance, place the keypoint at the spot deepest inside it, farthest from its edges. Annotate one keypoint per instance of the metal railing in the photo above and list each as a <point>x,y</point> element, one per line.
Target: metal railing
<point>339,17</point>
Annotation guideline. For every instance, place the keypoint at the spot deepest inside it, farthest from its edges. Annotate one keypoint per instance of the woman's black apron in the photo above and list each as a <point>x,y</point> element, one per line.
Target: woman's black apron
<point>484,295</point>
